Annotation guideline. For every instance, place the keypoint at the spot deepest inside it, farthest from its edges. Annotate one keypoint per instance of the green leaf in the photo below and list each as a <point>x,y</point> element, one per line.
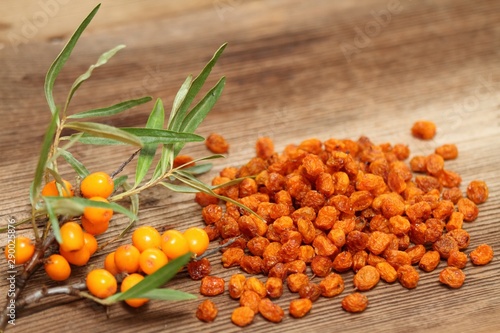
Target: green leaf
<point>105,131</point>
<point>103,59</point>
<point>119,181</point>
<point>42,160</point>
<point>74,206</point>
<point>153,281</point>
<point>79,168</point>
<point>194,89</point>
<point>149,136</point>
<point>165,294</point>
<point>111,110</point>
<point>61,59</point>
<point>179,98</point>
<point>88,139</point>
<point>179,188</point>
<point>199,169</point>
<point>54,221</point>
<point>155,121</point>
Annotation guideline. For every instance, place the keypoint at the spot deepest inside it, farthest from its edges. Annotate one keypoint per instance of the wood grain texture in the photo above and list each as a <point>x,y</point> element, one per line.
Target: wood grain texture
<point>287,78</point>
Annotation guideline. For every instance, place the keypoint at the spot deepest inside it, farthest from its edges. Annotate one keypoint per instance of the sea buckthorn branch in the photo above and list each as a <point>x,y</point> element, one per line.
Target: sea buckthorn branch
<point>72,290</point>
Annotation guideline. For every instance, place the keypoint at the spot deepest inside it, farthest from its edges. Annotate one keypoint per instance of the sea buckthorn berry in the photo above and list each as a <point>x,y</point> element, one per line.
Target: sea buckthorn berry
<point>423,129</point>
<point>22,251</point>
<point>355,302</point>
<point>366,278</point>
<point>151,260</point>
<point>217,144</point>
<point>468,208</point>
<point>264,147</point>
<point>51,189</point>
<point>453,194</point>
<point>387,272</point>
<point>212,286</point>
<point>448,151</point>
<point>252,264</point>
<point>331,285</point>
<point>274,287</point>
<point>416,253</point>
<point>311,291</point>
<point>101,283</point>
<point>418,164</point>
<point>211,213</point>
<point>321,266</point>
<point>232,257</point>
<point>197,240</point>
<point>97,184</point>
<point>183,161</point>
<point>146,237</point>
<point>242,316</point>
<point>127,258</point>
<point>57,267</point>
<point>271,311</point>
<point>94,229</point>
<point>296,281</point>
<point>462,238</point>
<point>429,261</point>
<point>482,255</point>
<point>198,269</point>
<point>251,299</point>
<point>77,257</point>
<point>128,282</point>
<point>457,259</point>
<point>90,242</point>
<point>477,191</point>
<point>98,215</point>
<point>444,245</point>
<point>434,164</point>
<point>110,265</point>
<point>72,236</point>
<point>174,244</point>
<point>408,276</point>
<point>300,307</point>
<point>453,277</point>
<point>236,285</point>
<point>254,284</point>
<point>207,311</point>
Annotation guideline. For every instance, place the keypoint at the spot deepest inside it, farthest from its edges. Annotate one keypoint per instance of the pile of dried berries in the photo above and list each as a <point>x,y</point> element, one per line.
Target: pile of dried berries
<point>325,208</point>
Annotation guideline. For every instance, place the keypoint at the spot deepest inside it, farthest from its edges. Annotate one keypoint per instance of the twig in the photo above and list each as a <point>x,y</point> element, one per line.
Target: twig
<point>73,290</point>
<point>124,164</point>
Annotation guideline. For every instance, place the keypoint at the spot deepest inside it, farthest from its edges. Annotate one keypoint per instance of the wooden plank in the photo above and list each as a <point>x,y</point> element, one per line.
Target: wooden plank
<point>288,78</point>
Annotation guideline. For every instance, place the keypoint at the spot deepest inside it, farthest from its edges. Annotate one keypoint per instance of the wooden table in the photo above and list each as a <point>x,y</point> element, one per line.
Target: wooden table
<point>295,70</point>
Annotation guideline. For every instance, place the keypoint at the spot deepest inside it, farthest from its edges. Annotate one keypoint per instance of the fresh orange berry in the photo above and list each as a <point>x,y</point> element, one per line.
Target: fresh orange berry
<point>127,258</point>
<point>98,215</point>
<point>77,257</point>
<point>94,228</point>
<point>101,283</point>
<point>90,242</point>
<point>151,260</point>
<point>127,283</point>
<point>109,264</point>
<point>57,267</point>
<point>21,251</point>
<point>72,236</point>
<point>174,244</point>
<point>197,239</point>
<point>51,189</point>
<point>97,184</point>
<point>146,237</point>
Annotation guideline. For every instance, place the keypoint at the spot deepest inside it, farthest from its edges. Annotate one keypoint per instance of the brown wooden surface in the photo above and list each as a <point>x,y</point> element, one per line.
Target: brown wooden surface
<point>287,78</point>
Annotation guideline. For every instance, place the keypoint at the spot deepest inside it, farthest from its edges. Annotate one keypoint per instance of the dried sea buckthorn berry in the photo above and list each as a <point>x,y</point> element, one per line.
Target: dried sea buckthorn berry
<point>482,255</point>
<point>207,311</point>
<point>51,189</point>
<point>355,302</point>
<point>331,285</point>
<point>457,259</point>
<point>151,260</point>
<point>477,191</point>
<point>57,267</point>
<point>183,161</point>
<point>366,278</point>
<point>212,286</point>
<point>94,228</point>
<point>453,277</point>
<point>236,285</point>
<point>408,276</point>
<point>387,272</point>
<point>146,237</point>
<point>264,147</point>
<point>274,287</point>
<point>447,151</point>
<point>468,208</point>
<point>242,316</point>
<point>97,184</point>
<point>217,144</point>
<point>23,250</point>
<point>127,258</point>
<point>423,129</point>
<point>128,282</point>
<point>98,215</point>
<point>271,311</point>
<point>174,244</point>
<point>197,239</point>
<point>72,236</point>
<point>429,261</point>
<point>101,283</point>
<point>250,299</point>
<point>198,269</point>
<point>76,257</point>
<point>110,265</point>
<point>300,307</point>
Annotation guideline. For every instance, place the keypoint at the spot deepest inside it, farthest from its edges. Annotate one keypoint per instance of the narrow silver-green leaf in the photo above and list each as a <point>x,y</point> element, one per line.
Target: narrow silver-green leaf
<point>74,206</point>
<point>199,169</point>
<point>150,136</point>
<point>89,139</point>
<point>78,166</point>
<point>155,121</point>
<point>179,188</point>
<point>61,59</point>
<point>119,181</point>
<point>103,59</point>
<point>165,294</point>
<point>194,118</point>
<point>105,131</point>
<point>153,281</point>
<point>111,110</point>
<point>179,98</point>
<point>194,89</point>
<point>43,157</point>
<point>54,221</point>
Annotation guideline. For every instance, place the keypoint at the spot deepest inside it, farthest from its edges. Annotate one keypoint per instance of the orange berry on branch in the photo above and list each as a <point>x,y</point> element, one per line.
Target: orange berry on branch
<point>72,236</point>
<point>57,267</point>
<point>146,237</point>
<point>51,189</point>
<point>98,215</point>
<point>90,242</point>
<point>127,283</point>
<point>174,244</point>
<point>197,239</point>
<point>101,283</point>
<point>127,258</point>
<point>94,228</point>
<point>110,265</point>
<point>22,251</point>
<point>97,184</point>
<point>77,257</point>
<point>151,260</point>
